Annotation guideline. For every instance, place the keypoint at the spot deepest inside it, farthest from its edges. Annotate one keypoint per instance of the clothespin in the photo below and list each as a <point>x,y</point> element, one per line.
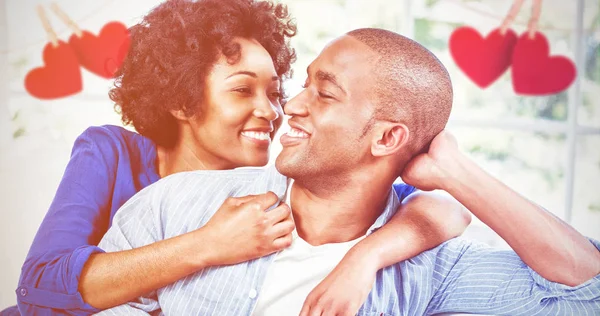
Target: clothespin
<point>532,26</point>
<point>52,38</point>
<point>66,19</point>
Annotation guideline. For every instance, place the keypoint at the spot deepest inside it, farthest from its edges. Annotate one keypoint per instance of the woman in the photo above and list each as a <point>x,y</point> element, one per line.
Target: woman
<point>201,85</point>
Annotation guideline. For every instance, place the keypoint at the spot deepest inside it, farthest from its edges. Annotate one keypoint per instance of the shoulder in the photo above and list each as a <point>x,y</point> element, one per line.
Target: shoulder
<point>209,185</point>
<point>111,135</point>
<point>267,176</point>
<point>110,140</point>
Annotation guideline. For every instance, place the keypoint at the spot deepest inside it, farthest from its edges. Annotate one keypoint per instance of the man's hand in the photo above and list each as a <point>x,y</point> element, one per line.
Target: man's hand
<point>242,230</point>
<point>431,170</point>
<point>344,290</point>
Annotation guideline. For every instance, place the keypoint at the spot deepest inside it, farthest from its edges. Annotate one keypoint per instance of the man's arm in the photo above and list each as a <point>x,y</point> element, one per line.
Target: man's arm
<point>474,278</point>
<point>549,246</point>
<point>424,220</point>
<point>126,309</point>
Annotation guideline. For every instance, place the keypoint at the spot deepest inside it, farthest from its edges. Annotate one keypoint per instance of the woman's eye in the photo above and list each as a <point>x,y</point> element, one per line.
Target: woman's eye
<point>276,94</point>
<point>244,90</point>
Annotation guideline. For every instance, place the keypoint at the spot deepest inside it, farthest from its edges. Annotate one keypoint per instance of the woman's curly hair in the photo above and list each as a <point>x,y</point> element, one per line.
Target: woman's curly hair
<point>175,46</point>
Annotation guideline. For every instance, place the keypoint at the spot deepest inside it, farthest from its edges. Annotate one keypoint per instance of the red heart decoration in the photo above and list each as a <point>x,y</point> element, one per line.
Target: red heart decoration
<point>483,60</point>
<point>60,77</point>
<point>534,72</point>
<point>102,54</point>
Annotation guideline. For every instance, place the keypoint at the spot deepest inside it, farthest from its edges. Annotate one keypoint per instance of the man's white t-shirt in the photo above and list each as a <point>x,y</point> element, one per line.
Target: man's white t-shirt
<point>295,272</point>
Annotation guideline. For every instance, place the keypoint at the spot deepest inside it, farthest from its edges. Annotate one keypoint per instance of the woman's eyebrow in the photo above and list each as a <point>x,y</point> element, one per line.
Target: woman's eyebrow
<point>243,72</point>
<point>249,73</point>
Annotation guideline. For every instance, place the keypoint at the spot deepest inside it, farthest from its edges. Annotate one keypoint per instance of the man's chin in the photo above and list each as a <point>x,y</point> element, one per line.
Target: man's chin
<point>285,165</point>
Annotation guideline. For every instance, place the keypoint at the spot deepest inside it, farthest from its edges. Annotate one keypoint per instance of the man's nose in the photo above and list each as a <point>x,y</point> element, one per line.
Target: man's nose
<point>298,105</point>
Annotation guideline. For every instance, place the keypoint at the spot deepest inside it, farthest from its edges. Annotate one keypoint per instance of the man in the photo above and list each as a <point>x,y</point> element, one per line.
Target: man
<point>372,102</point>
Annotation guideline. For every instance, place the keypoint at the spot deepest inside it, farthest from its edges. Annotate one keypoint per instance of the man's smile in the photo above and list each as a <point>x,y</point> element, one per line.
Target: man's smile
<point>293,137</point>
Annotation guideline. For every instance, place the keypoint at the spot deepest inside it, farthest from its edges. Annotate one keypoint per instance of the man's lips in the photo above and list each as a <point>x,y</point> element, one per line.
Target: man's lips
<point>293,136</point>
<point>298,127</point>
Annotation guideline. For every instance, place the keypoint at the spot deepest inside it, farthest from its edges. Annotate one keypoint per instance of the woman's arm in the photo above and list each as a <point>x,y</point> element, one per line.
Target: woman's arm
<point>424,220</point>
<point>75,222</point>
<point>239,231</point>
<point>66,270</point>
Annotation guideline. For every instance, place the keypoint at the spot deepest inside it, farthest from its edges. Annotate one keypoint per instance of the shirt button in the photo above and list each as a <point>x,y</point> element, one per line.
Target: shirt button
<point>23,291</point>
<point>252,294</point>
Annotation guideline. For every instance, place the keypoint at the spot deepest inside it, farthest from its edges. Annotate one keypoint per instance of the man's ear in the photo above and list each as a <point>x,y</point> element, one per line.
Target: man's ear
<point>179,115</point>
<point>389,138</point>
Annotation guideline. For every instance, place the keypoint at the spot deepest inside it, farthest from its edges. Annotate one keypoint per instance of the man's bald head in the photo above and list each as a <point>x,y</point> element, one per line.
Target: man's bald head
<point>411,85</point>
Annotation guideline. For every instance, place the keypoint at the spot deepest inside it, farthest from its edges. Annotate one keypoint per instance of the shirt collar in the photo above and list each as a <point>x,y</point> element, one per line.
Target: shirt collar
<point>390,209</point>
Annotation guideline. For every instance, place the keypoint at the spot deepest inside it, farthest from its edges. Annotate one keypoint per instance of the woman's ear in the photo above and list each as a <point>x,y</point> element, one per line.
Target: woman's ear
<point>389,138</point>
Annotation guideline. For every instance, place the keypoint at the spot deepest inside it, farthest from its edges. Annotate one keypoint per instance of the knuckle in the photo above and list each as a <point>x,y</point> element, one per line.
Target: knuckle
<point>310,300</point>
<point>261,248</point>
<point>255,206</point>
<point>270,195</point>
<point>263,223</point>
<point>290,229</point>
<point>285,208</point>
<point>261,236</point>
<point>322,300</point>
<point>287,241</point>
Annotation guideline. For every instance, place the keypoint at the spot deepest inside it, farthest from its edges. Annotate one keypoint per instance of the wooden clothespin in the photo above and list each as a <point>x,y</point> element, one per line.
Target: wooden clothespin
<point>52,38</point>
<point>532,26</point>
<point>510,17</point>
<point>66,19</point>
<point>536,10</point>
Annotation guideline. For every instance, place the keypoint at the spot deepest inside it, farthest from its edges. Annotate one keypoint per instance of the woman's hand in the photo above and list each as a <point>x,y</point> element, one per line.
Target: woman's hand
<point>243,230</point>
<point>345,289</point>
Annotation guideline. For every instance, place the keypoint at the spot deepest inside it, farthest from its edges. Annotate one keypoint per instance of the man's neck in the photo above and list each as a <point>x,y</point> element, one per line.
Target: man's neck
<point>340,213</point>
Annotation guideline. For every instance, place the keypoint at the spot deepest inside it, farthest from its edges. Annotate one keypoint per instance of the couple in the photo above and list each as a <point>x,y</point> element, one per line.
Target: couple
<point>374,106</point>
<point>202,86</point>
<point>371,109</point>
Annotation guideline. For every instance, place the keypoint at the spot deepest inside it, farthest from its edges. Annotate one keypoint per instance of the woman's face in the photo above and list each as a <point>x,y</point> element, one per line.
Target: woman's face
<point>241,113</point>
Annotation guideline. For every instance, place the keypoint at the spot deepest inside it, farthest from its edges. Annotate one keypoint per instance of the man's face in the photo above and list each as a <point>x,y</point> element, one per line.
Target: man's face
<point>329,117</point>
